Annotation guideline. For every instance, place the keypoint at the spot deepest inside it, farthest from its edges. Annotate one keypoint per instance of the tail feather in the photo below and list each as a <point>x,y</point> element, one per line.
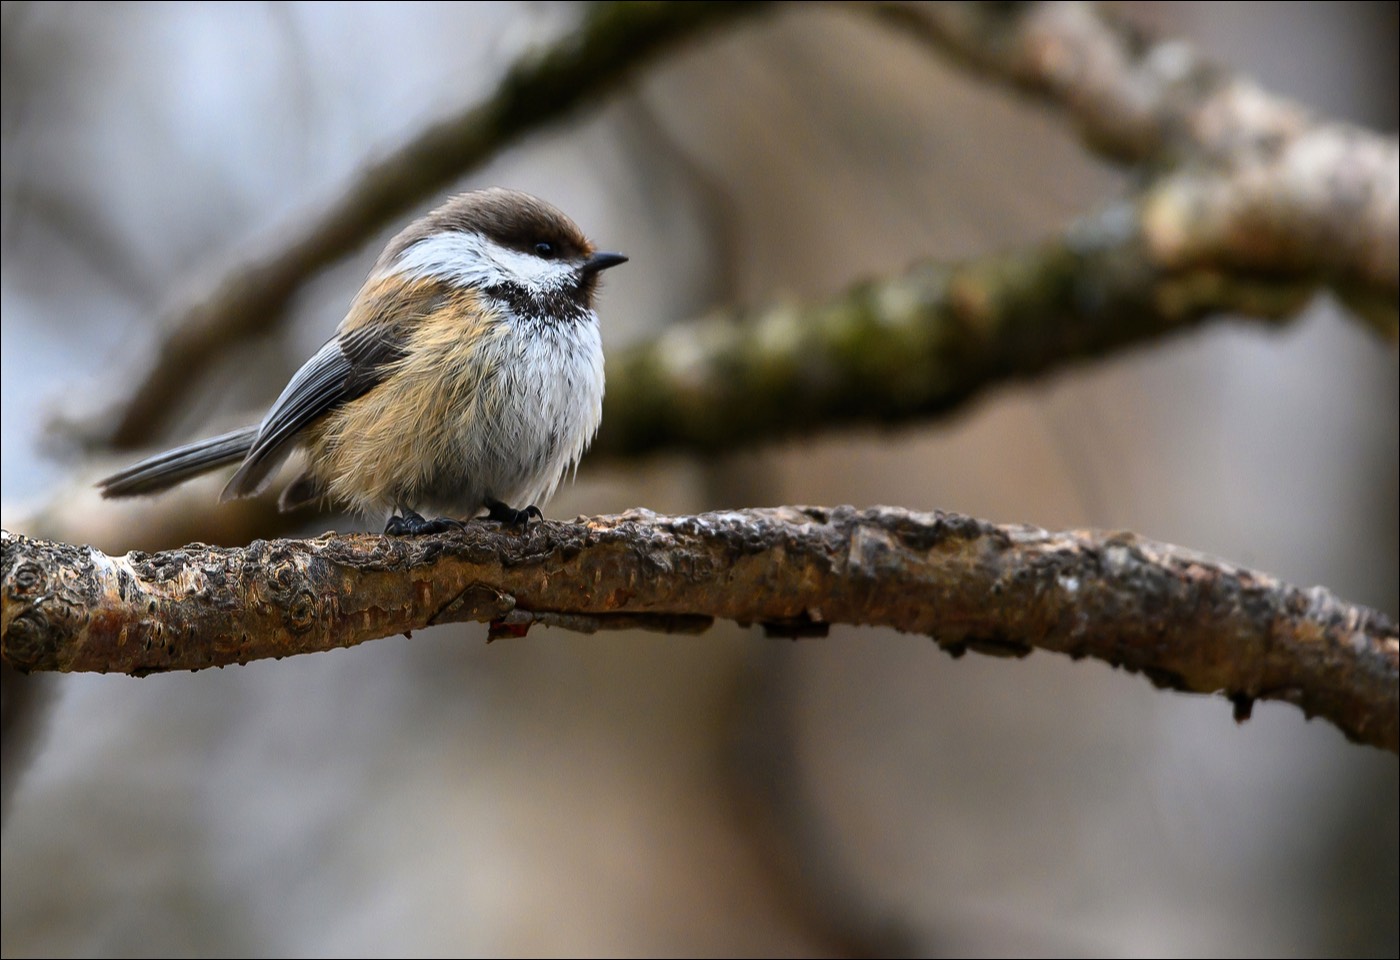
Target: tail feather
<point>165,470</point>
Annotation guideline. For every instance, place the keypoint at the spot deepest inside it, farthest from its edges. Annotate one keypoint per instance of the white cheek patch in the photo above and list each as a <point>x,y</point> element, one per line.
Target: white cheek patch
<point>470,259</point>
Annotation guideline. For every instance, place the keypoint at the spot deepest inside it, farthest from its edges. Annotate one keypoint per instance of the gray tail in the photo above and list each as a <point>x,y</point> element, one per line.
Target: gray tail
<point>165,470</point>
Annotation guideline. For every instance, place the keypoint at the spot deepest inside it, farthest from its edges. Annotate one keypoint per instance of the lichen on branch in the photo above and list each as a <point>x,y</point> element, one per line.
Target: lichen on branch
<point>918,344</point>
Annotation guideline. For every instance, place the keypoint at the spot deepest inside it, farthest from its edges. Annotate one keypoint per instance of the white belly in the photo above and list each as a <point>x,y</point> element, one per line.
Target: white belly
<point>526,424</point>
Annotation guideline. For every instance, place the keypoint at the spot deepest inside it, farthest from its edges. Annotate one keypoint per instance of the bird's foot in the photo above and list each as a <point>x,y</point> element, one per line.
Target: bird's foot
<point>498,511</point>
<point>411,524</point>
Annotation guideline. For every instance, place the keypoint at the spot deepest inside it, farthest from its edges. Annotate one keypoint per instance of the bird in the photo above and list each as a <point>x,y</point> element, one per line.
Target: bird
<point>466,376</point>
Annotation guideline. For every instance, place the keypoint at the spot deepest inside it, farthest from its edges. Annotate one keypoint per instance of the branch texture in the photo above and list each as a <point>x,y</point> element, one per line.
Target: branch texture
<point>613,40</point>
<point>918,345</point>
<point>1185,621</point>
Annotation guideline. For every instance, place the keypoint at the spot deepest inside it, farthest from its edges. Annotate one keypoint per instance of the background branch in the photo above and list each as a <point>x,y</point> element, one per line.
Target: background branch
<point>1185,621</point>
<point>1134,99</point>
<point>909,347</point>
<point>1282,207</point>
<point>1252,207</point>
<point>611,42</point>
<point>1258,183</point>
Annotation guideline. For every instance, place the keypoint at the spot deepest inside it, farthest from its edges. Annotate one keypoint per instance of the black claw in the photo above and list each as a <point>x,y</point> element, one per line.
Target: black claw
<point>411,524</point>
<point>498,511</point>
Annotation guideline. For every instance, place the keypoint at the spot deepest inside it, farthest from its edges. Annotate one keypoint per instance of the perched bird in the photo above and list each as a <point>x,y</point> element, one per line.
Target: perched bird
<point>466,376</point>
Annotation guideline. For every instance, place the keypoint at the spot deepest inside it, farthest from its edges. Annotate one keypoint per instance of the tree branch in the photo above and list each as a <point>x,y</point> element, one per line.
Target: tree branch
<point>1134,99</point>
<point>613,40</point>
<point>1257,183</point>
<point>918,345</point>
<point>1251,208</point>
<point>1272,207</point>
<point>1185,621</point>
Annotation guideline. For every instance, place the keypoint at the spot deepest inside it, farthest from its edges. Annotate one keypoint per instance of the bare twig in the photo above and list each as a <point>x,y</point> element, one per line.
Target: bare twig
<point>1187,622</point>
<point>1134,99</point>
<point>1257,184</point>
<point>613,40</point>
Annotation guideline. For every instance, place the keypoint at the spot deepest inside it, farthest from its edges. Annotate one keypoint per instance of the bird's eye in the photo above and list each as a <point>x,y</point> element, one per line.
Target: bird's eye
<point>545,250</point>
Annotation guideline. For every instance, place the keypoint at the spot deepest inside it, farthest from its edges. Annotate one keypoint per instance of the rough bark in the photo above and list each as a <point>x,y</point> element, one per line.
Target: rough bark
<point>1185,621</point>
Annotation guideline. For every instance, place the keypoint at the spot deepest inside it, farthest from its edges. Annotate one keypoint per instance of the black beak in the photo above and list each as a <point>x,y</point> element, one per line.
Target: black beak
<point>601,261</point>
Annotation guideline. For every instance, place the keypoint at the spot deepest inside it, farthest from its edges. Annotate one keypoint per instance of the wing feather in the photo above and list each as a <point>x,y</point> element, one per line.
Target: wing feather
<point>372,338</point>
<point>347,366</point>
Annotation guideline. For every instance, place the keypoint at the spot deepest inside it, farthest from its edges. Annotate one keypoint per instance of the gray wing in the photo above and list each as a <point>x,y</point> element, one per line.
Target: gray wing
<point>165,470</point>
<point>346,367</point>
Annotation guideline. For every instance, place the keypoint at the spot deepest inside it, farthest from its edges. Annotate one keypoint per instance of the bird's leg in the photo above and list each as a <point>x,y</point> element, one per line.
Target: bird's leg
<point>498,511</point>
<point>408,523</point>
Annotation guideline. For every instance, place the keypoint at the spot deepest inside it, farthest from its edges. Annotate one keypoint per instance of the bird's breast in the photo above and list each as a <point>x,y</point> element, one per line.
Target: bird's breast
<point>501,412</point>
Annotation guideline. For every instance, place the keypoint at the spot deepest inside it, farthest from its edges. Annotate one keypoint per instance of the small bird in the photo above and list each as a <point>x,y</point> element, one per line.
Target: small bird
<point>466,376</point>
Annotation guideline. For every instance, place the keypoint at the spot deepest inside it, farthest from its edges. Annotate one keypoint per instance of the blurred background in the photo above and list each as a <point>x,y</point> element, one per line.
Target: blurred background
<point>639,794</point>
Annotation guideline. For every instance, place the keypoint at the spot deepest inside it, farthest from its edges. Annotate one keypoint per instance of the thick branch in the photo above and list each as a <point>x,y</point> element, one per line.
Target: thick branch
<point>1326,204</point>
<point>1187,622</point>
<point>613,40</point>
<point>920,344</point>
